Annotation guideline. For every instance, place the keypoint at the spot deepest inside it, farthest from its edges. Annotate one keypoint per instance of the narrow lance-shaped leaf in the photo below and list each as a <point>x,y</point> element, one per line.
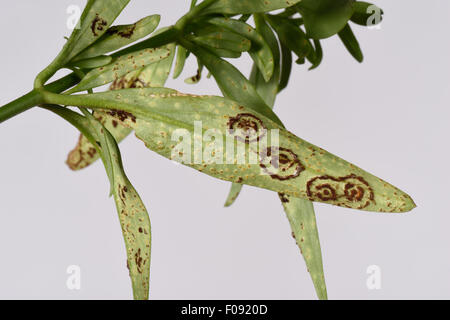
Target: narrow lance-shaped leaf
<point>243,7</point>
<point>351,43</point>
<point>133,215</point>
<point>260,50</point>
<point>325,18</point>
<point>154,75</point>
<point>301,216</point>
<point>120,67</point>
<point>117,37</point>
<point>303,170</point>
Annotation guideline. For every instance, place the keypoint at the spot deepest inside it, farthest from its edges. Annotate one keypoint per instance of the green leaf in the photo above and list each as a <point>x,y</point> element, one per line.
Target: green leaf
<point>195,79</point>
<point>286,67</point>
<point>260,50</point>
<point>325,18</point>
<point>120,36</point>
<point>120,67</point>
<point>243,7</point>
<point>235,190</point>
<point>97,16</point>
<point>133,215</point>
<point>351,43</point>
<point>219,38</point>
<point>231,81</point>
<point>317,58</point>
<point>291,36</point>
<point>302,219</point>
<point>267,90</point>
<point>305,171</point>
<point>366,14</point>
<point>154,75</point>
<point>182,55</point>
<point>91,63</point>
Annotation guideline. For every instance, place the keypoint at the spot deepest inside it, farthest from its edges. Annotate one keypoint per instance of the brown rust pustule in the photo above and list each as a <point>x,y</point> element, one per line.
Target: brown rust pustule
<point>98,24</point>
<point>250,126</point>
<point>351,188</point>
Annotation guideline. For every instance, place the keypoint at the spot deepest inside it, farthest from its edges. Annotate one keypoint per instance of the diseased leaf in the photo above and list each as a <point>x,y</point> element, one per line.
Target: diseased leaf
<point>301,216</point>
<point>351,43</point>
<point>304,170</point>
<point>267,90</point>
<point>243,7</point>
<point>325,18</point>
<point>154,75</point>
<point>260,50</point>
<point>97,16</point>
<point>366,14</point>
<point>120,67</point>
<point>133,215</point>
<point>196,79</point>
<point>117,37</point>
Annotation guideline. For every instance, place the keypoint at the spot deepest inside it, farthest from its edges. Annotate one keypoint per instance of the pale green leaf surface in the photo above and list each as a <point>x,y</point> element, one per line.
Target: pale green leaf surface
<point>301,216</point>
<point>306,171</point>
<point>117,37</point>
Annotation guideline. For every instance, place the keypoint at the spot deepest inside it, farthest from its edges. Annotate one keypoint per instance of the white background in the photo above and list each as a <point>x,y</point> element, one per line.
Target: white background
<point>388,115</point>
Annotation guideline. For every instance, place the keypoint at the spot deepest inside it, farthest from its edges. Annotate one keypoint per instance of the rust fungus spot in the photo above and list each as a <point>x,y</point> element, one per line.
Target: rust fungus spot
<point>283,197</point>
<point>346,190</point>
<point>138,259</point>
<point>247,127</point>
<point>122,115</point>
<point>98,24</point>
<point>280,163</point>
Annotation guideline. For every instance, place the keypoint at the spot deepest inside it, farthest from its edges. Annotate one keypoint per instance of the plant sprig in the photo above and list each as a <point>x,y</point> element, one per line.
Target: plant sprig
<point>100,53</point>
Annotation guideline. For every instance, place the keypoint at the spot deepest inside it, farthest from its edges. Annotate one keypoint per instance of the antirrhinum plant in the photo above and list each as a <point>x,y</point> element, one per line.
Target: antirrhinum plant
<point>137,59</point>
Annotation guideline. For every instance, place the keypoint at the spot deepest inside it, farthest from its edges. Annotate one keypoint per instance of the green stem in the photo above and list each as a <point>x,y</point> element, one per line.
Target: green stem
<point>34,97</point>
